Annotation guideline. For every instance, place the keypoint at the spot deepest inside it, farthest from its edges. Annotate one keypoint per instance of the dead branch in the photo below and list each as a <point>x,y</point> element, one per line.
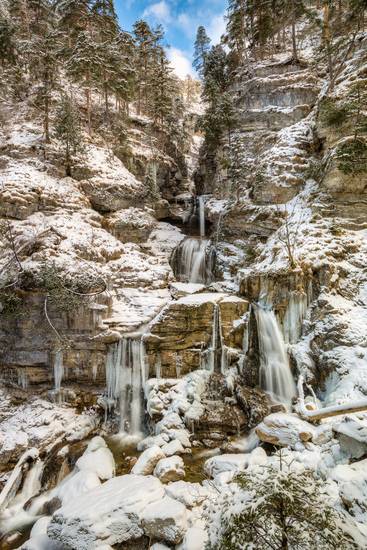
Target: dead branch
<point>326,412</point>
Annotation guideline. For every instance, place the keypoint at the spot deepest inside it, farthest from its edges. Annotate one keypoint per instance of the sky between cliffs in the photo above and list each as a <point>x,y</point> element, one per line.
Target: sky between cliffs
<point>180,19</point>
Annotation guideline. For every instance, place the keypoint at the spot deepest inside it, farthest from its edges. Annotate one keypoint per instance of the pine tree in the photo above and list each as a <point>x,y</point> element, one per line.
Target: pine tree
<point>201,49</point>
<point>237,30</point>
<point>84,65</point>
<point>163,90</point>
<point>105,18</point>
<point>44,57</point>
<point>73,17</point>
<point>147,42</point>
<point>281,509</point>
<point>67,130</point>
<point>7,41</point>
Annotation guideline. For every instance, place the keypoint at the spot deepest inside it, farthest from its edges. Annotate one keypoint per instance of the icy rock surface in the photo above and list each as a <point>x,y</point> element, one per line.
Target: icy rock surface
<point>190,494</point>
<point>110,514</point>
<point>234,463</point>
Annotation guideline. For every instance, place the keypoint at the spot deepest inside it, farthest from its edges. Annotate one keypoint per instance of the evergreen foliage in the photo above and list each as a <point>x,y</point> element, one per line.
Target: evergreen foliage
<point>280,509</point>
<point>201,50</point>
<point>67,129</point>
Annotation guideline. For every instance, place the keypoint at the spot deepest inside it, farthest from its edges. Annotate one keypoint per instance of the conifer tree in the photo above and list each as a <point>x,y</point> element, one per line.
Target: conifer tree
<point>84,65</point>
<point>7,41</point>
<point>201,49</point>
<point>67,130</point>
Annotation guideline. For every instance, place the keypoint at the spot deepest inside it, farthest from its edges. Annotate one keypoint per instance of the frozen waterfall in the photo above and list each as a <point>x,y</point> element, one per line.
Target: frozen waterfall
<point>275,374</point>
<point>125,375</point>
<point>58,370</point>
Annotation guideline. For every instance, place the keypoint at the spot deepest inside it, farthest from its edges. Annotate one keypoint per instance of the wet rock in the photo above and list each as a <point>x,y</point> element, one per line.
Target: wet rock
<point>170,469</point>
<point>254,403</point>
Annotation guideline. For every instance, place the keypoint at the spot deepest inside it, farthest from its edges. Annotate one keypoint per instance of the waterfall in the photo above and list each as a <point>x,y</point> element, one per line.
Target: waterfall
<point>275,374</point>
<point>201,215</point>
<point>210,354</point>
<point>58,370</point>
<point>125,373</point>
<point>194,261</point>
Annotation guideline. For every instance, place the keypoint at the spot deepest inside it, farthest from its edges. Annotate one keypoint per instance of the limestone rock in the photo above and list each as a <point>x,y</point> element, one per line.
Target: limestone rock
<point>284,430</point>
<point>170,469</point>
<point>254,403</point>
<point>130,225</point>
<point>352,435</point>
<point>148,460</point>
<point>165,520</point>
<point>109,514</point>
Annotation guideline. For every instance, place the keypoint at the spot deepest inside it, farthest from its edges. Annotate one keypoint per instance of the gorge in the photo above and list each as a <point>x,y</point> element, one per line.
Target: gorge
<point>183,285</point>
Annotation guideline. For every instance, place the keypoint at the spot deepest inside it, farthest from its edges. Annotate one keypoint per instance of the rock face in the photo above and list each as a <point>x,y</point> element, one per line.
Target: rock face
<point>185,327</point>
<point>111,514</point>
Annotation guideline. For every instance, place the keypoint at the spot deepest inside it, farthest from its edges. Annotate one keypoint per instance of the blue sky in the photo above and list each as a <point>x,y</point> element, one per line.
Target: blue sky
<point>180,19</point>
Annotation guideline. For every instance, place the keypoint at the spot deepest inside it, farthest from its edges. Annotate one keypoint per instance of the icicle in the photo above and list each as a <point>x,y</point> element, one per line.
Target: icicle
<point>275,373</point>
<point>58,370</point>
<point>294,316</point>
<point>22,379</point>
<point>158,367</point>
<point>178,365</point>
<point>201,216</point>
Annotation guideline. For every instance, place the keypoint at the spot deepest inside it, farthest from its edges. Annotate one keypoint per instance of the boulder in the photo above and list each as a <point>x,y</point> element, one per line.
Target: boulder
<point>284,430</point>
<point>170,469</point>
<point>234,463</point>
<point>130,225</point>
<point>97,458</point>
<point>254,403</point>
<point>152,440</point>
<point>352,435</point>
<point>165,520</point>
<point>148,460</point>
<point>74,485</point>
<point>174,447</point>
<point>109,514</point>
<point>189,494</point>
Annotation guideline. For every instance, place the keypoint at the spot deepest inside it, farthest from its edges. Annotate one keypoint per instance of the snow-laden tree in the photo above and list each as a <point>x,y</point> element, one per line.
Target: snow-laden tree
<point>279,508</point>
<point>201,50</point>
<point>67,129</point>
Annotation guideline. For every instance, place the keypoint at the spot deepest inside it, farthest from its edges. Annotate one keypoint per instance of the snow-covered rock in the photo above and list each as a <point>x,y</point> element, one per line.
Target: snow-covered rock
<point>234,463</point>
<point>352,435</point>
<point>148,460</point>
<point>170,469</point>
<point>150,441</point>
<point>190,494</point>
<point>166,520</point>
<point>97,458</point>
<point>352,484</point>
<point>195,539</point>
<point>174,447</point>
<point>284,429</point>
<point>109,514</point>
<point>76,484</point>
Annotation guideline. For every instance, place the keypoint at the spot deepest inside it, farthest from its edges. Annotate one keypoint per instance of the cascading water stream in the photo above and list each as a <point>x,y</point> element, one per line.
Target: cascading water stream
<point>201,204</point>
<point>275,374</point>
<point>194,261</point>
<point>58,371</point>
<point>125,375</point>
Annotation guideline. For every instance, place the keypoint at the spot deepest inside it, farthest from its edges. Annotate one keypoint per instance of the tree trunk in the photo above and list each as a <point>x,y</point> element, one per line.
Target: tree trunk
<point>327,39</point>
<point>294,39</point>
<point>46,120</point>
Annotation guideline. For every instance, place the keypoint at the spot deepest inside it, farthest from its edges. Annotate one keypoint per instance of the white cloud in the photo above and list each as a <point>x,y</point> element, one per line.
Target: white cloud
<point>180,62</point>
<point>187,24</point>
<point>159,11</point>
<point>216,28</point>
